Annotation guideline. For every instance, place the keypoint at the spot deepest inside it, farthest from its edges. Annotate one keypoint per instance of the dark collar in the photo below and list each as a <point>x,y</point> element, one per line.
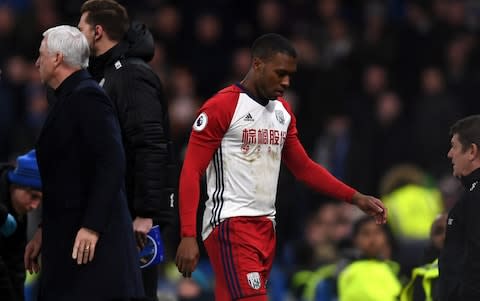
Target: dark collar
<point>98,64</point>
<point>468,180</point>
<point>105,58</point>
<point>69,84</point>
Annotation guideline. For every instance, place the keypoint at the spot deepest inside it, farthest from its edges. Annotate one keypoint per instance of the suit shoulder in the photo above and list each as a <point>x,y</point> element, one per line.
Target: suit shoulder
<point>90,90</point>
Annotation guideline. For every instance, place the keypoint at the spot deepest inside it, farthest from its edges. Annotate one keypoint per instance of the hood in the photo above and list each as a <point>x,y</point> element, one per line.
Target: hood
<point>138,42</point>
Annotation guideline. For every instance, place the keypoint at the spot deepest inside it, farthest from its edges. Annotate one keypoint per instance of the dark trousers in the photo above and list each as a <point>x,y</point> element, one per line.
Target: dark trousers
<point>150,282</point>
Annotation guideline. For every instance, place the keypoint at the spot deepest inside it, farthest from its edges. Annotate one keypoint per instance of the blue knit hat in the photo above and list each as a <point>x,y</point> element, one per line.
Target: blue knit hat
<point>26,174</point>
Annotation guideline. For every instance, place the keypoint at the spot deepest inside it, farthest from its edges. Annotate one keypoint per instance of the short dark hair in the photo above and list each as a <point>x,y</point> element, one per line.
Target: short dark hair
<point>112,16</point>
<point>364,220</point>
<point>359,223</point>
<point>468,130</point>
<point>269,44</point>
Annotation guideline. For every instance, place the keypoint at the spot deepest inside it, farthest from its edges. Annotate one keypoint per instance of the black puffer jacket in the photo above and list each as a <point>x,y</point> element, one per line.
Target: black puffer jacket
<point>12,270</point>
<point>140,102</point>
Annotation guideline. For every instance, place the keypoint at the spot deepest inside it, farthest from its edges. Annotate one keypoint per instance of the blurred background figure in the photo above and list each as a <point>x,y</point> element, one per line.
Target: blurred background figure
<point>435,103</point>
<point>413,204</point>
<point>318,253</point>
<point>374,247</point>
<point>423,284</point>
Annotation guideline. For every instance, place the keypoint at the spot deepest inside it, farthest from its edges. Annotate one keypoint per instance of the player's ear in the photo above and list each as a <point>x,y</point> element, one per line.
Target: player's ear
<point>257,63</point>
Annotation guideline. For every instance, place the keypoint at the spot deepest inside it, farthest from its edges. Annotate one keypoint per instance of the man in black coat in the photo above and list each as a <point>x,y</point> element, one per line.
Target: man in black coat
<point>20,192</point>
<point>119,63</point>
<point>86,238</point>
<point>459,262</point>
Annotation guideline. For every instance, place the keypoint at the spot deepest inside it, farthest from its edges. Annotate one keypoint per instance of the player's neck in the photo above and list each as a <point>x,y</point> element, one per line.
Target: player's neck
<point>249,84</point>
<point>251,89</point>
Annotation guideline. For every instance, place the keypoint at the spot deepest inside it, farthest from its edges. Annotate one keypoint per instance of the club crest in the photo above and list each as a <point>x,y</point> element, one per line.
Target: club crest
<point>254,280</point>
<point>280,117</point>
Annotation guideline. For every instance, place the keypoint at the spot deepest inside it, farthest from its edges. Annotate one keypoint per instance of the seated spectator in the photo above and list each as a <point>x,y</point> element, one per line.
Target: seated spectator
<point>423,286</point>
<point>20,192</point>
<point>360,279</point>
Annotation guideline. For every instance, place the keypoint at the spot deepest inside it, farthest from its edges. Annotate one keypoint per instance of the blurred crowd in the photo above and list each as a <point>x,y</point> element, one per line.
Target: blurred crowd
<point>378,84</point>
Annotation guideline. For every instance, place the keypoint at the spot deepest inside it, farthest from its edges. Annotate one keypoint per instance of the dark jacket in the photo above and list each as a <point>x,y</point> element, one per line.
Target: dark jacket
<point>12,270</point>
<point>459,262</point>
<point>140,103</point>
<point>81,162</point>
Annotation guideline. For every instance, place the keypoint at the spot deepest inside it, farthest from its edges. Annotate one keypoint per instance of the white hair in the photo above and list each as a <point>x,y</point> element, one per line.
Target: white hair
<point>69,41</point>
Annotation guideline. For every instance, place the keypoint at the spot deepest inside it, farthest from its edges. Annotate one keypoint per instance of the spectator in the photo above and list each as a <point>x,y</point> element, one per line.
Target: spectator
<point>375,250</point>
<point>20,192</point>
<point>424,282</point>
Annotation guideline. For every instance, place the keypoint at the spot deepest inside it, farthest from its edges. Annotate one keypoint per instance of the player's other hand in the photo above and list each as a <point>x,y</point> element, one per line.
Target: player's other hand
<point>371,206</point>
<point>187,256</point>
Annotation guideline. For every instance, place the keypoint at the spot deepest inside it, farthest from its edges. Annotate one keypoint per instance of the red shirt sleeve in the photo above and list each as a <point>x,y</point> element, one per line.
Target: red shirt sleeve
<point>306,170</point>
<point>207,133</point>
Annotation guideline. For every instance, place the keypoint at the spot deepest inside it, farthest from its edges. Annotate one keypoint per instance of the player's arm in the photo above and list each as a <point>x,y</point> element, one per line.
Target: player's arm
<point>208,130</point>
<point>317,177</point>
<point>198,156</point>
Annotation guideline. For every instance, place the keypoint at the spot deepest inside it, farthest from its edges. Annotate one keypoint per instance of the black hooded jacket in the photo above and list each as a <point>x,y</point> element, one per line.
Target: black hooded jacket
<point>139,100</point>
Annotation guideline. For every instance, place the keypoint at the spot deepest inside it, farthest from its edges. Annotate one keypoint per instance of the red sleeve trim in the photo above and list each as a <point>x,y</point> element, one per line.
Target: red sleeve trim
<point>212,123</point>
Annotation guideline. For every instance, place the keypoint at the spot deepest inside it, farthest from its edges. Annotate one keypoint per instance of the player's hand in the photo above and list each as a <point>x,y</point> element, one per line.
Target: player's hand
<point>371,206</point>
<point>84,246</point>
<point>187,256</point>
<point>32,250</point>
<point>141,226</point>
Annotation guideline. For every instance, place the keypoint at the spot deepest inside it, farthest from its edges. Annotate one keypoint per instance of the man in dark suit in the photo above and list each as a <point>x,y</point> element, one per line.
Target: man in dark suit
<point>86,238</point>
